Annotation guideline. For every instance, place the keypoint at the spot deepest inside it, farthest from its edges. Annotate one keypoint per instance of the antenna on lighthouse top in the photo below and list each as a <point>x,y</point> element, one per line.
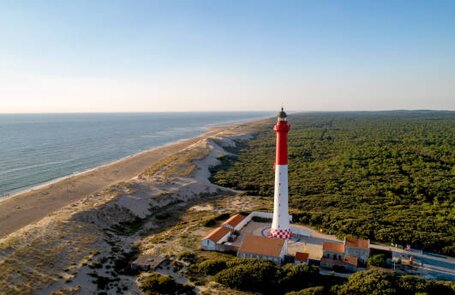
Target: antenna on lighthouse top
<point>282,115</point>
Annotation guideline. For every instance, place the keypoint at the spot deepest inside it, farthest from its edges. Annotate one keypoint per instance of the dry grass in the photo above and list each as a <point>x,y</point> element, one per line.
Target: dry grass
<point>181,163</point>
<point>34,264</point>
<point>213,288</point>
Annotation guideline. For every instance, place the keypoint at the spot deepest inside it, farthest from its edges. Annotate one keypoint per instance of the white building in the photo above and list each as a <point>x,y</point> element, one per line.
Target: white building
<point>215,238</point>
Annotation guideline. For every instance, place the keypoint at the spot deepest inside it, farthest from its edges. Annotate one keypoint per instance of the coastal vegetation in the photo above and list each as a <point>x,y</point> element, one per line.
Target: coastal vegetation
<point>381,282</point>
<point>386,176</point>
<point>156,283</point>
<point>265,277</point>
<point>377,260</point>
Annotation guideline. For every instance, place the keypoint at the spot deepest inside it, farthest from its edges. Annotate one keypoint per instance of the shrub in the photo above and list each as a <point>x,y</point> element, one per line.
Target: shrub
<point>377,260</point>
<point>376,281</point>
<point>370,282</point>
<point>319,290</point>
<point>414,285</point>
<point>295,277</point>
<point>449,250</point>
<point>238,261</point>
<point>212,266</point>
<point>160,284</point>
<point>122,262</point>
<point>223,216</point>
<point>209,222</point>
<point>250,275</point>
<point>188,257</point>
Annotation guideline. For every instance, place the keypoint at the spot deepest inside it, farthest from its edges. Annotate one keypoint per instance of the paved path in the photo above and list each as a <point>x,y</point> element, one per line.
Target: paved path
<point>435,265</point>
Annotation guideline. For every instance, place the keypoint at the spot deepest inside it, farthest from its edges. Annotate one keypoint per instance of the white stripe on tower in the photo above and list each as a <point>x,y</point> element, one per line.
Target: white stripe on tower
<point>280,223</point>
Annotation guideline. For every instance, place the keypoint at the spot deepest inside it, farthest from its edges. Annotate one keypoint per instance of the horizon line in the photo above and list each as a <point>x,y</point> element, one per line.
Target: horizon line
<point>231,111</point>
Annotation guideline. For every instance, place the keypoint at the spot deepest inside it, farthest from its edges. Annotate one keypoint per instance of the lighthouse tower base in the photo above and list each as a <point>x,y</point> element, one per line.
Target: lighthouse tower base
<point>280,233</point>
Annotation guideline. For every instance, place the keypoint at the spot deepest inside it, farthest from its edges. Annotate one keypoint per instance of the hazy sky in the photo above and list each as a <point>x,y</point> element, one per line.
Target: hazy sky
<point>84,56</point>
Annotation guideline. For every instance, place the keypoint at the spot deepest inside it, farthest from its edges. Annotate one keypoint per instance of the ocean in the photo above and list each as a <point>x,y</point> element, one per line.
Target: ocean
<point>38,148</point>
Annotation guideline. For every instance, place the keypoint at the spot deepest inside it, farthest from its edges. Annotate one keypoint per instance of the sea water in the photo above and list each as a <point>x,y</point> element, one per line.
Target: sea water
<point>38,148</point>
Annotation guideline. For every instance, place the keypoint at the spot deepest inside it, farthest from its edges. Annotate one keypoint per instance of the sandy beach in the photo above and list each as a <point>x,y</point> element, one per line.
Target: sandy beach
<point>32,205</point>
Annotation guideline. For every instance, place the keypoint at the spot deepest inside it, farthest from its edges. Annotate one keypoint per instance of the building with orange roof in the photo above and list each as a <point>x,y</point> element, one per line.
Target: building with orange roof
<point>214,238</point>
<point>263,248</point>
<point>349,255</point>
<point>357,248</point>
<point>357,243</point>
<point>332,248</point>
<point>302,258</point>
<point>233,221</point>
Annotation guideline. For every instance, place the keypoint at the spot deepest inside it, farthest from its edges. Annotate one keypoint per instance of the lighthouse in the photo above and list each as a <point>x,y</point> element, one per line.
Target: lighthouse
<point>280,224</point>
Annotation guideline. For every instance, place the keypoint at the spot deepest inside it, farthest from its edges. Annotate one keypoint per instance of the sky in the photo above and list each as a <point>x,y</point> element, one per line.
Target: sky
<point>215,55</point>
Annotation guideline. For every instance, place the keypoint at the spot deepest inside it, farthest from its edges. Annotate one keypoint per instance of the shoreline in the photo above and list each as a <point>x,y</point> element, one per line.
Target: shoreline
<point>33,204</point>
<point>206,131</point>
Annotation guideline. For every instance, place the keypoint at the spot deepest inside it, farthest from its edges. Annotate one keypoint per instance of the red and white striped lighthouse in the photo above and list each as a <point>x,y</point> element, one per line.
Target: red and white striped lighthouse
<point>280,224</point>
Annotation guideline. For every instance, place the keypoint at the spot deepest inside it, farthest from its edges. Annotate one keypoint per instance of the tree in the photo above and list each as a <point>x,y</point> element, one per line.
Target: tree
<point>212,266</point>
<point>251,275</point>
<point>156,283</point>
<point>318,290</point>
<point>377,260</point>
<point>370,282</point>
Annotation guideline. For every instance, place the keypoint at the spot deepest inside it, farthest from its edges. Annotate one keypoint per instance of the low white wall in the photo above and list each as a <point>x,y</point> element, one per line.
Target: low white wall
<point>266,215</point>
<point>250,216</point>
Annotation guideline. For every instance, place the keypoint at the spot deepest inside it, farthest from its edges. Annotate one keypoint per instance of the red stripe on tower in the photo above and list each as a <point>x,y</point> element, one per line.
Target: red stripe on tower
<point>282,128</point>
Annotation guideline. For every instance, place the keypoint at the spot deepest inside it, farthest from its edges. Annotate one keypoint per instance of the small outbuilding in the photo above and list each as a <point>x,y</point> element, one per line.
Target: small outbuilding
<point>301,258</point>
<point>215,238</point>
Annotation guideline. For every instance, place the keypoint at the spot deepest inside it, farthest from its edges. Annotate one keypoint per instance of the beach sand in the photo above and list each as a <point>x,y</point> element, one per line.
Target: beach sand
<point>30,206</point>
